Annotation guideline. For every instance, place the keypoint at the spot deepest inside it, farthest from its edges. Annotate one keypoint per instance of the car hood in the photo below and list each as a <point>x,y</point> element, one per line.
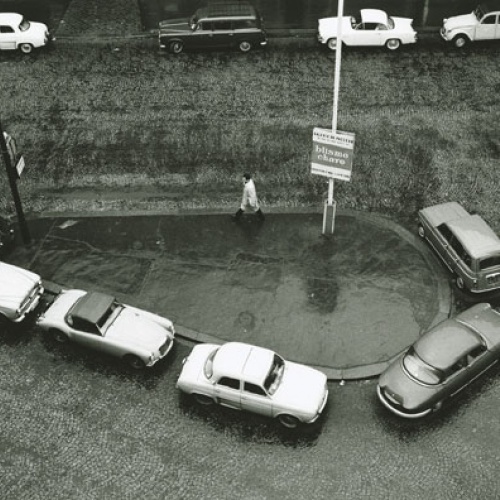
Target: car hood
<point>462,21</point>
<point>301,387</point>
<point>15,284</point>
<point>175,26</point>
<point>411,395</point>
<point>327,26</point>
<point>134,329</point>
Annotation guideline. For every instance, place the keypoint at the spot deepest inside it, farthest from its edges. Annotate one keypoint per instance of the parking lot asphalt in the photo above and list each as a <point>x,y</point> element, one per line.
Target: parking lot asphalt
<point>347,304</point>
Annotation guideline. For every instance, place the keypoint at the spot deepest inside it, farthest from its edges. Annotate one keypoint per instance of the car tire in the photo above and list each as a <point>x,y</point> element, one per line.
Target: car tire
<point>25,48</point>
<point>59,336</point>
<point>176,47</point>
<point>393,44</point>
<point>289,421</point>
<point>460,283</point>
<point>245,46</point>
<point>421,231</point>
<point>332,44</point>
<point>203,400</point>
<point>460,41</point>
<point>134,362</point>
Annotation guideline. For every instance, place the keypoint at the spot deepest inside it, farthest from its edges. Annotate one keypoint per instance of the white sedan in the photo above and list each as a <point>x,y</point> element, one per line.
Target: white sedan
<point>20,292</point>
<point>96,320</point>
<point>16,32</point>
<point>373,27</point>
<point>256,379</point>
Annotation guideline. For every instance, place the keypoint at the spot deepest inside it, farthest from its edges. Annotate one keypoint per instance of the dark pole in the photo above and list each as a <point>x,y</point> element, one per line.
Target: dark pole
<point>13,187</point>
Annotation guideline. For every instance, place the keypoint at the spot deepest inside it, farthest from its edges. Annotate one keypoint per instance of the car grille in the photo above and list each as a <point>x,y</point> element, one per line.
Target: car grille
<point>31,297</point>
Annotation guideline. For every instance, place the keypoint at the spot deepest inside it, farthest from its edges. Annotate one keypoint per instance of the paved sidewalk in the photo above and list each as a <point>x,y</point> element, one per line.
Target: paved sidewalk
<point>346,304</point>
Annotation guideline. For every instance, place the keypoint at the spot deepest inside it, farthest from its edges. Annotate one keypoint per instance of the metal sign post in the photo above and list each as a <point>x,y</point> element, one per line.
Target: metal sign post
<point>12,175</point>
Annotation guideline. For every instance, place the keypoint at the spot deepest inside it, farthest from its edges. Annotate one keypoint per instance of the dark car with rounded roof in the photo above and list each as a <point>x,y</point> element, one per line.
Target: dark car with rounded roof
<point>442,362</point>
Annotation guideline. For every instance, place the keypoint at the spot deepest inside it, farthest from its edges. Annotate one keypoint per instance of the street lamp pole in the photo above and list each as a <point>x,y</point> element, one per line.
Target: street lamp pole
<point>331,206</point>
<point>13,187</point>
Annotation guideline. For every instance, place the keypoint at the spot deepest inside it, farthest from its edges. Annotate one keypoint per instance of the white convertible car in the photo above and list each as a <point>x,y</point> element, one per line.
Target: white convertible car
<point>96,320</point>
<point>373,27</point>
<point>247,377</point>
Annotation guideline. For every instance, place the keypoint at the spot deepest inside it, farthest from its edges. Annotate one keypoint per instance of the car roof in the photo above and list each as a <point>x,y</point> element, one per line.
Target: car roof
<point>227,9</point>
<point>484,319</point>
<point>373,16</point>
<point>92,306</point>
<point>243,362</point>
<point>475,235</point>
<point>12,17</point>
<point>443,345</point>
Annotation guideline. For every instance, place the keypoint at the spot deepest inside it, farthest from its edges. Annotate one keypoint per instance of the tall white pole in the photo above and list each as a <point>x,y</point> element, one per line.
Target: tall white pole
<point>336,84</point>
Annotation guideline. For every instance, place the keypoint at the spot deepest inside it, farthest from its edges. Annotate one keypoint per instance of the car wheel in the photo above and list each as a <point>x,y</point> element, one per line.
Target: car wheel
<point>245,46</point>
<point>460,283</point>
<point>289,421</point>
<point>332,44</point>
<point>203,400</point>
<point>59,336</point>
<point>393,44</point>
<point>421,231</point>
<point>26,48</point>
<point>176,47</point>
<point>134,362</point>
<point>460,41</point>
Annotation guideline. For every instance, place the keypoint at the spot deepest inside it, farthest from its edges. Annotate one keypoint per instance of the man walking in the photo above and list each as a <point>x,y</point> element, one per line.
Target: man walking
<point>249,201</point>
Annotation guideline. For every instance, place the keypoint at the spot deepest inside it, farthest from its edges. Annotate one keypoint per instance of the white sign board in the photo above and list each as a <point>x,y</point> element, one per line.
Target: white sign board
<point>20,166</point>
<point>332,154</point>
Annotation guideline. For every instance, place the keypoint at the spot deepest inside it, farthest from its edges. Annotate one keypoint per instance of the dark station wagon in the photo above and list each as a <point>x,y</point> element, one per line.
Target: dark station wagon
<point>465,243</point>
<point>217,26</point>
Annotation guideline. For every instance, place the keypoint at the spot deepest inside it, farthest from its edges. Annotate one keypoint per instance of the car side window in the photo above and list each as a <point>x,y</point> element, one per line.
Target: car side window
<point>370,26</point>
<point>221,25</point>
<point>476,353</point>
<point>6,29</point>
<point>254,389</point>
<point>460,251</point>
<point>360,27</point>
<point>459,365</point>
<point>229,382</point>
<point>85,326</point>
<point>204,26</point>
<point>489,20</point>
<point>445,232</point>
<point>243,24</point>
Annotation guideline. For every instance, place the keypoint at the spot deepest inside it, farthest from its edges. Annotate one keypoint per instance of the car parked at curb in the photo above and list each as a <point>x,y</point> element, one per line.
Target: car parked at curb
<point>233,25</point>
<point>17,33</point>
<point>98,321</point>
<point>20,292</point>
<point>483,23</point>
<point>465,243</point>
<point>441,363</point>
<point>372,27</point>
<point>247,377</point>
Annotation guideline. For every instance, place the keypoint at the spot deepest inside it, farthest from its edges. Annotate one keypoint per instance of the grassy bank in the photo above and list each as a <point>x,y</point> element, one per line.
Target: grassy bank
<point>118,118</point>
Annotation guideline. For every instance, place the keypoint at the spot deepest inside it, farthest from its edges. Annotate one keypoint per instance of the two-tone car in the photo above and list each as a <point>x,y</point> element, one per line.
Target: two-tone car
<point>17,33</point>
<point>98,321</point>
<point>465,243</point>
<point>371,27</point>
<point>256,379</point>
<point>20,292</point>
<point>482,24</point>
<point>441,363</point>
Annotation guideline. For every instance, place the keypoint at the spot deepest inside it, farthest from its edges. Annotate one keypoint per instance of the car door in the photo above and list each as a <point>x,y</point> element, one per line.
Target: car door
<point>202,37</point>
<point>480,360</point>
<point>488,28</point>
<point>7,37</point>
<point>227,390</point>
<point>367,34</point>
<point>88,335</point>
<point>222,34</point>
<point>255,399</point>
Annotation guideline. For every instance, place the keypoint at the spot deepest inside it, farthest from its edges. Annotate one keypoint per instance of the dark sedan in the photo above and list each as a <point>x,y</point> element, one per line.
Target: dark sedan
<point>442,362</point>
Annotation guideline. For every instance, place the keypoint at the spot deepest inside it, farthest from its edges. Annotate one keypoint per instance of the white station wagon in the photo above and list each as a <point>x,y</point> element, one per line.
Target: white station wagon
<point>256,379</point>
<point>97,321</point>
<point>16,32</point>
<point>372,27</point>
<point>20,292</point>
<point>482,23</point>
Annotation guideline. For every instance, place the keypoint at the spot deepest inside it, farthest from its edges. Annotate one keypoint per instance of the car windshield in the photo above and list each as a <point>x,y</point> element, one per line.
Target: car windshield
<point>275,375</point>
<point>109,317</point>
<point>479,12</point>
<point>490,262</point>
<point>25,25</point>
<point>420,370</point>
